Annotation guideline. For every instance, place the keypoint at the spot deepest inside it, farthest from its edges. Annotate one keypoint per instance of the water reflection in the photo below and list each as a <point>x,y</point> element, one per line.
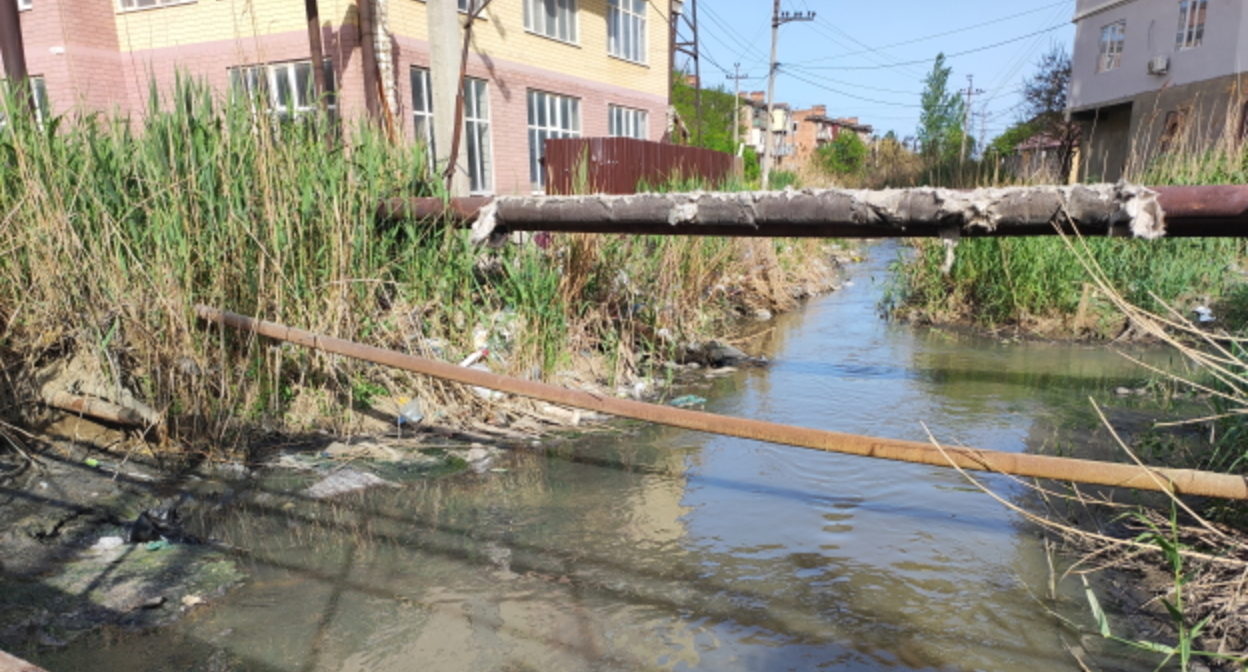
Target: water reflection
<point>662,549</point>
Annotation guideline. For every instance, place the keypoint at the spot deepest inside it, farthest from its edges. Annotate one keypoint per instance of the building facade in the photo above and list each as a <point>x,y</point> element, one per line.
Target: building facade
<point>1150,76</point>
<point>753,111</point>
<point>536,69</point>
<point>814,128</point>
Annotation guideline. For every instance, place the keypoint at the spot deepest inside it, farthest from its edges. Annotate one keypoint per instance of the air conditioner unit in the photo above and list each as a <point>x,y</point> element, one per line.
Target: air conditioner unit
<point>1158,65</point>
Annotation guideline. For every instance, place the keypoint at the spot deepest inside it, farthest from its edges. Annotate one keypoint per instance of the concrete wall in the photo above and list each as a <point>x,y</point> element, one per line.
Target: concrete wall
<point>1151,26</point>
<point>1106,143</point>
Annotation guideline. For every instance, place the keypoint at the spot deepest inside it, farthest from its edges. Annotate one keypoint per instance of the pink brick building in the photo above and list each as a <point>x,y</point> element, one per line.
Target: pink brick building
<point>538,68</point>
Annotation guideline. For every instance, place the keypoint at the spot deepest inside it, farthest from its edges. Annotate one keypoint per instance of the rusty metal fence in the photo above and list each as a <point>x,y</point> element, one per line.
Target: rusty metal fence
<point>619,165</point>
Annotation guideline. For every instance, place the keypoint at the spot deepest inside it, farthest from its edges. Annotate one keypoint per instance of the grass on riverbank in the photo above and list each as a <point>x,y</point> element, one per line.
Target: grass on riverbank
<point>113,230</point>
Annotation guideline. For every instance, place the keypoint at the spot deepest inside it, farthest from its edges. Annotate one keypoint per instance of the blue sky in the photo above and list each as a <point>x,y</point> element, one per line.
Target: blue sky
<point>868,59</point>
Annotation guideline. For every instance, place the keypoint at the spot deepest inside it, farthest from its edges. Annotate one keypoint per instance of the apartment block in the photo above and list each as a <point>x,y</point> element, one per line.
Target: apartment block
<point>1148,76</point>
<point>814,129</point>
<point>536,68</point>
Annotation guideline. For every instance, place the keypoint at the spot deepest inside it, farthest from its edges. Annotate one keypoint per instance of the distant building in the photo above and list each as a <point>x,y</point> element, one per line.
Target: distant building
<point>537,69</point>
<point>814,128</point>
<point>782,128</point>
<point>1146,74</point>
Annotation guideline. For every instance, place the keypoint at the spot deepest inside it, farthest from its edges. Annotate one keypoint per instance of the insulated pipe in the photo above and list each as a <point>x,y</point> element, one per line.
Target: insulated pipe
<point>1180,481</point>
<point>1190,211</point>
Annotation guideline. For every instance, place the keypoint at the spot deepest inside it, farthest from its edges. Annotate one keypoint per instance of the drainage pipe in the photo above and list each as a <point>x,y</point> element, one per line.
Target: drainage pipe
<point>1179,481</point>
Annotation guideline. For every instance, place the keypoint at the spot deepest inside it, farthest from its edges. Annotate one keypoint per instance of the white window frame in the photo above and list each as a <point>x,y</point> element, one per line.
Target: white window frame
<point>1191,34</point>
<point>140,5</point>
<point>1113,38</point>
<point>626,30</point>
<point>422,111</point>
<point>246,78</point>
<point>38,90</point>
<point>627,122</point>
<point>556,19</point>
<point>23,5</point>
<point>477,143</point>
<point>551,115</point>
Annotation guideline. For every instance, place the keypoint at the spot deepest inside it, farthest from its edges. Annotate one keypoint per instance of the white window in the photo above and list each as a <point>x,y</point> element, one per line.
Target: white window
<point>422,112</point>
<point>550,116</point>
<point>477,134</point>
<point>1112,38</point>
<point>625,122</point>
<point>147,4</point>
<point>552,18</point>
<point>475,142</point>
<point>38,91</point>
<point>1191,24</point>
<point>287,90</point>
<point>23,5</point>
<point>626,29</point>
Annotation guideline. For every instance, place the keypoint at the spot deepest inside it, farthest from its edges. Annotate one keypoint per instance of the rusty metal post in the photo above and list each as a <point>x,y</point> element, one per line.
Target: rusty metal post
<point>14,52</point>
<point>1179,481</point>
<point>318,56</point>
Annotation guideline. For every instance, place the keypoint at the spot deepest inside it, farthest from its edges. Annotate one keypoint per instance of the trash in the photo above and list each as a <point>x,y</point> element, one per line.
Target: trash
<point>476,454</point>
<point>192,600</point>
<point>157,545</point>
<point>107,543</point>
<point>1203,314</point>
<point>1122,391</point>
<point>342,482</point>
<point>160,524</point>
<point>367,450</point>
<point>687,400</point>
<point>91,462</point>
<point>410,412</point>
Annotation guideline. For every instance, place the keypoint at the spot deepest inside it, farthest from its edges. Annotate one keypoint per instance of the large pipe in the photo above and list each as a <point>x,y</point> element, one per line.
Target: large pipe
<point>13,51</point>
<point>1180,481</point>
<point>1191,211</point>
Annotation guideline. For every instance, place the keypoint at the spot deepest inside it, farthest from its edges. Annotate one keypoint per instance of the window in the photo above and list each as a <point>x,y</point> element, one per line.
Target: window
<point>1112,37</point>
<point>286,90</point>
<point>23,5</point>
<point>626,29</point>
<point>38,91</point>
<point>477,134</point>
<point>550,116</point>
<point>475,142</point>
<point>422,111</point>
<point>625,122</point>
<point>147,4</point>
<point>1191,24</point>
<point>552,18</point>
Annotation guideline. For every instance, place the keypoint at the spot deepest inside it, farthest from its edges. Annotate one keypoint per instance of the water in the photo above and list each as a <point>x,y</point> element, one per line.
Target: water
<point>661,549</point>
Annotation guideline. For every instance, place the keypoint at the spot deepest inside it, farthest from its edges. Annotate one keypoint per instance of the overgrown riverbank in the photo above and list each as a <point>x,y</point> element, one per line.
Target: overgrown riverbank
<point>114,231</point>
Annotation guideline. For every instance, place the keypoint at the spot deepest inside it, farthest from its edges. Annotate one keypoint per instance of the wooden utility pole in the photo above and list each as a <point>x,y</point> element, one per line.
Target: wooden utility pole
<point>777,19</point>
<point>736,77</point>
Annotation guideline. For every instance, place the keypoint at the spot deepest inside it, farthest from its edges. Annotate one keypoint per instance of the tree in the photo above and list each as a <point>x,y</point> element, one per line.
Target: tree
<point>718,112</point>
<point>940,122</point>
<point>845,155</point>
<point>1044,104</point>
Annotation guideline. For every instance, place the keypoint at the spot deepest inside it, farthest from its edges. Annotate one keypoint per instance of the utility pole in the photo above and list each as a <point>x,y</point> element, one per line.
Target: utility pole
<point>736,77</point>
<point>777,19</point>
<point>689,47</point>
<point>966,113</point>
<point>14,52</point>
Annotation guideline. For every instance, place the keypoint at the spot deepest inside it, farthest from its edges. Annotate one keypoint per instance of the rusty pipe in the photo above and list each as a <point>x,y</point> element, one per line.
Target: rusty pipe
<point>1190,211</point>
<point>1181,481</point>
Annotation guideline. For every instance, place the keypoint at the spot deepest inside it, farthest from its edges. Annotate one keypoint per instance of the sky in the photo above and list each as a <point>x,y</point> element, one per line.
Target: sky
<point>869,59</point>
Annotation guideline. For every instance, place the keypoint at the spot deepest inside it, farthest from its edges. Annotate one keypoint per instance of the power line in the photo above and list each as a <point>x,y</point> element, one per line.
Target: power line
<point>952,55</point>
<point>946,33</point>
<point>849,95</point>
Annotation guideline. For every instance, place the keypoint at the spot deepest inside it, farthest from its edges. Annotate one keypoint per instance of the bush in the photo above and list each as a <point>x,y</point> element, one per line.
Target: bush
<point>845,155</point>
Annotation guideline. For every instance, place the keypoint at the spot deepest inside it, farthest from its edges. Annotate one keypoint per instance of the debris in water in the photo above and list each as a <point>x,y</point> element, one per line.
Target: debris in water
<point>342,482</point>
<point>687,400</point>
<point>1203,314</point>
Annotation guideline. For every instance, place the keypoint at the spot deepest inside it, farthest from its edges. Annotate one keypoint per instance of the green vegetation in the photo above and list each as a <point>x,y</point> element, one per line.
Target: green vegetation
<point>846,155</point>
<point>113,232</point>
<point>716,128</point>
<point>940,122</point>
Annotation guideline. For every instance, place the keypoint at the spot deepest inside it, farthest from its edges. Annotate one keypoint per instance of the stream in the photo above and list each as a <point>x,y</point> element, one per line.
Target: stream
<point>651,548</point>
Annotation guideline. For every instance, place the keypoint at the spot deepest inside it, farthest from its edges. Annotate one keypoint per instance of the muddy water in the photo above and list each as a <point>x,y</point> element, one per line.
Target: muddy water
<point>657,549</point>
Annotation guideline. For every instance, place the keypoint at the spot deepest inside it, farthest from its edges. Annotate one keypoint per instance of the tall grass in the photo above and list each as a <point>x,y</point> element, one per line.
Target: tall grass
<point>115,228</point>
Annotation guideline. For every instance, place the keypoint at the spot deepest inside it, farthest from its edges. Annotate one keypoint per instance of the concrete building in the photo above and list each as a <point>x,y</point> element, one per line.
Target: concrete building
<point>1147,75</point>
<point>814,128</point>
<point>754,120</point>
<point>537,68</point>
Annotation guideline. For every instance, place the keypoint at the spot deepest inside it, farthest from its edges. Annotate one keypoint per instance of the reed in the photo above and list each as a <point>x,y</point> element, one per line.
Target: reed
<point>114,228</point>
